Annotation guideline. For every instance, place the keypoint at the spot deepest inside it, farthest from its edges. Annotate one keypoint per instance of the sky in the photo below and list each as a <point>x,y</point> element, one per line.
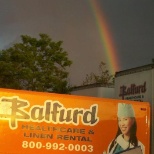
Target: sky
<point>117,32</point>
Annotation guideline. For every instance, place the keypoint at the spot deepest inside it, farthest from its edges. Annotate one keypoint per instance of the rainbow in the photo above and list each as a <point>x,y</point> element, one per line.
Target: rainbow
<point>106,39</point>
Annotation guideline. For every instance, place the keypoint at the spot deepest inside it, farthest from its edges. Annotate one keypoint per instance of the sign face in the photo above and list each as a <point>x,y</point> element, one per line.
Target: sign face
<point>133,92</point>
<point>135,86</point>
<point>35,122</point>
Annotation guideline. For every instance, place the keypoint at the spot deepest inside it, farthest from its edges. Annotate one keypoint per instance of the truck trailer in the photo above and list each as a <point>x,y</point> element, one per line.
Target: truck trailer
<point>41,122</point>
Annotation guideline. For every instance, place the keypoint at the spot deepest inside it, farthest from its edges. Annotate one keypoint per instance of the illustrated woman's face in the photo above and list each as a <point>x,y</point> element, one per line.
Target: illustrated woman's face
<point>125,124</point>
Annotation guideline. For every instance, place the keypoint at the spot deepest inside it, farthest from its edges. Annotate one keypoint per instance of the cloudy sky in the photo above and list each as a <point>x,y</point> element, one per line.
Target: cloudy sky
<point>117,32</point>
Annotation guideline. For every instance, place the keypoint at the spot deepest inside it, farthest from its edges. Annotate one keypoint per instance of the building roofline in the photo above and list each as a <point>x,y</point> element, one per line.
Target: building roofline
<point>94,85</point>
<point>135,70</point>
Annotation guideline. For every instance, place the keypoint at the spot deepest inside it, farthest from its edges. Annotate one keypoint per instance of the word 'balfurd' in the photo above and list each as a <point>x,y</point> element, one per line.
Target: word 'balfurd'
<point>15,109</point>
<point>132,90</point>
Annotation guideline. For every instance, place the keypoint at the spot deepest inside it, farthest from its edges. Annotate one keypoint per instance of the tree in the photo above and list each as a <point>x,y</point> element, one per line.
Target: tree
<point>35,64</point>
<point>104,77</point>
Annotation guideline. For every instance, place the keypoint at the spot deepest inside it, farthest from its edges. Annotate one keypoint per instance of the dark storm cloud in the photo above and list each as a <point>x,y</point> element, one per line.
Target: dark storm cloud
<point>132,27</point>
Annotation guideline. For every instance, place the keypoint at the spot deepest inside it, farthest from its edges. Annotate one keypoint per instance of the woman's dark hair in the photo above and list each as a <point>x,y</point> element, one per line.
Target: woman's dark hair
<point>133,138</point>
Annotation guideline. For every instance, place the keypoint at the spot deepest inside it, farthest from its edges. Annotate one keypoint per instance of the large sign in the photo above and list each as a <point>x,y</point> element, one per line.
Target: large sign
<point>133,92</point>
<point>35,122</point>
